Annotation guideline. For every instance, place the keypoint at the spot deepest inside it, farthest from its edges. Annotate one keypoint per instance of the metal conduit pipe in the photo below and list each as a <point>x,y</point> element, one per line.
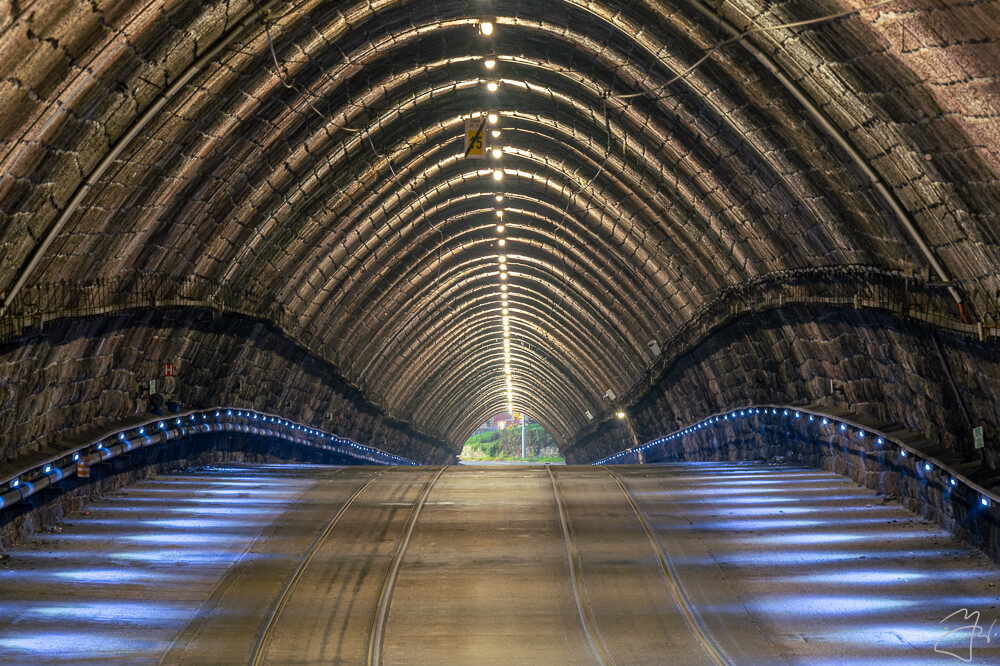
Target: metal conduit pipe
<point>137,126</point>
<point>824,123</point>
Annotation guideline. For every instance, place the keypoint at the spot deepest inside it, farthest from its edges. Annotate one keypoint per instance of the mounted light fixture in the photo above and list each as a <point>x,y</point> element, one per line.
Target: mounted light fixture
<point>497,153</point>
<point>486,28</point>
<point>500,228</point>
<point>495,134</point>
<point>490,63</point>
<point>492,86</point>
<point>493,118</point>
<point>499,198</point>
<point>497,174</point>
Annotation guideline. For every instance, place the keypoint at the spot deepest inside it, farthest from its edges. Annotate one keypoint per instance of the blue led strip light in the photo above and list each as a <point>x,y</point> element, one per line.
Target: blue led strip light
<point>843,427</point>
<point>28,481</point>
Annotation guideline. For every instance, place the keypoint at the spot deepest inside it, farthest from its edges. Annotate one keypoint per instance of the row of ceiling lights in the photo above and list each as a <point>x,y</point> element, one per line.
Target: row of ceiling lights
<point>486,29</point>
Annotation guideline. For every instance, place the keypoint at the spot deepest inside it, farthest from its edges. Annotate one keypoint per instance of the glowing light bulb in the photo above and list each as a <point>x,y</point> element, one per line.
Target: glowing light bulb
<point>492,86</point>
<point>502,242</point>
<point>495,134</point>
<point>490,63</point>
<point>497,153</point>
<point>503,276</point>
<point>498,175</point>
<point>500,228</point>
<point>493,118</point>
<point>486,28</point>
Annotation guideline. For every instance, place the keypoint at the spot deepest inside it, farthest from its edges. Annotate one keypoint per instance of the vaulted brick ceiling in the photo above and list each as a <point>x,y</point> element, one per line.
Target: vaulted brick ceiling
<point>305,160</point>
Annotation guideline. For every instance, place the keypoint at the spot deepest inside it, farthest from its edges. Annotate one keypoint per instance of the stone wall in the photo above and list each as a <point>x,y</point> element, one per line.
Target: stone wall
<point>881,370</point>
<point>77,374</point>
<point>876,366</point>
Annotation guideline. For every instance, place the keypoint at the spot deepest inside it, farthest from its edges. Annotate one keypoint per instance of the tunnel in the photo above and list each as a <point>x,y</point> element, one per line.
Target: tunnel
<point>266,265</point>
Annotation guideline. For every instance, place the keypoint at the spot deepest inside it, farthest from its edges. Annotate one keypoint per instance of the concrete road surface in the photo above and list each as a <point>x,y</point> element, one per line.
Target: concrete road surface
<point>672,564</point>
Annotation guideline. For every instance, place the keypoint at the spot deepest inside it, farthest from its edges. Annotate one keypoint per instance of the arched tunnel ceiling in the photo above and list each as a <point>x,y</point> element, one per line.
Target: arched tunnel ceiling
<point>311,154</point>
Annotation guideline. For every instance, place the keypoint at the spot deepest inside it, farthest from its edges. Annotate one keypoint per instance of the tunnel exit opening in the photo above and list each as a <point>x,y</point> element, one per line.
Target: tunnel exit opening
<point>514,438</point>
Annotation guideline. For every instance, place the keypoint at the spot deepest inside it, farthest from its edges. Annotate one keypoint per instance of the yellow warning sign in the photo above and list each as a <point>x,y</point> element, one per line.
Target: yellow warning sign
<point>475,131</point>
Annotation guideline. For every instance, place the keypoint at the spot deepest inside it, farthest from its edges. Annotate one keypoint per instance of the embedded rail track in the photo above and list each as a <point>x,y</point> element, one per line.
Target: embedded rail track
<point>264,637</point>
<point>673,582</point>
<point>579,591</point>
<point>587,618</point>
<point>381,614</point>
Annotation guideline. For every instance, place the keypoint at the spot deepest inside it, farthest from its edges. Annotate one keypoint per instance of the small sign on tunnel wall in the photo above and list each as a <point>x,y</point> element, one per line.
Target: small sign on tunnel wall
<point>977,437</point>
<point>474,133</point>
<point>168,369</point>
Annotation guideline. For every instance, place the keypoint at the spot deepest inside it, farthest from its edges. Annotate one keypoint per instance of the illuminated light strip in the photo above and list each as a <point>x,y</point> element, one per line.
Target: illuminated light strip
<point>28,481</point>
<point>835,425</point>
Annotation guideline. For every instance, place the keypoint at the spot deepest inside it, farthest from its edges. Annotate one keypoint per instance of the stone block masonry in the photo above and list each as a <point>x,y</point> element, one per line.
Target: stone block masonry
<point>74,375</point>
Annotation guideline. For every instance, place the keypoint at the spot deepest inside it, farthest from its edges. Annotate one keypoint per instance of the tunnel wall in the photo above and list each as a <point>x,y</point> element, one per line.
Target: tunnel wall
<point>79,374</point>
<point>879,367</point>
<point>882,370</point>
